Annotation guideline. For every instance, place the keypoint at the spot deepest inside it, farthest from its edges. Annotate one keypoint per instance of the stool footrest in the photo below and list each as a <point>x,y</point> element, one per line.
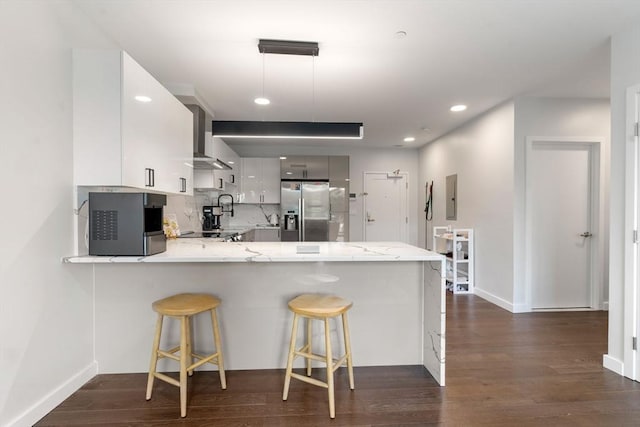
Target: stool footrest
<point>168,354</point>
<point>203,360</point>
<point>313,356</point>
<point>338,363</point>
<point>309,380</point>
<point>166,378</point>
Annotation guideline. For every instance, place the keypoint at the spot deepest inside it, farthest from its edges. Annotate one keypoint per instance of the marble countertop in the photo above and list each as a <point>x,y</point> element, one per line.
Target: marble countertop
<point>205,250</point>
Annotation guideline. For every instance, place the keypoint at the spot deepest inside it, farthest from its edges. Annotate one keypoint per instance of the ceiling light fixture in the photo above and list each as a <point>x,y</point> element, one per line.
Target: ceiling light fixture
<point>285,129</point>
<point>142,98</point>
<point>458,108</point>
<point>262,100</point>
<point>409,139</point>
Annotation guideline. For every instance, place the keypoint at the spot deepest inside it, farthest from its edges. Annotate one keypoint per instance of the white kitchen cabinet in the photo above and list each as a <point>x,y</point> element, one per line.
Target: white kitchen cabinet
<point>457,246</point>
<point>260,181</point>
<point>121,140</point>
<point>215,179</point>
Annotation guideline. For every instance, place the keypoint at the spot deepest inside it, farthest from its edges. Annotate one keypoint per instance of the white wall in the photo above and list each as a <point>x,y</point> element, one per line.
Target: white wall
<point>360,161</point>
<point>46,349</point>
<point>625,72</point>
<point>557,117</point>
<point>481,154</point>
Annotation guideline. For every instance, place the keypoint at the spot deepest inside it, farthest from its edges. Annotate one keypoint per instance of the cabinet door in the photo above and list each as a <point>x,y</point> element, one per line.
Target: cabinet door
<point>157,134</point>
<point>271,180</point>
<point>251,184</point>
<point>267,235</point>
<point>317,167</point>
<point>293,167</point>
<point>142,165</point>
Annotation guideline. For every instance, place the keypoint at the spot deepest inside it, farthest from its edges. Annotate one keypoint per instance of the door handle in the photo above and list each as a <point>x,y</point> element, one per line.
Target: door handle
<point>586,234</point>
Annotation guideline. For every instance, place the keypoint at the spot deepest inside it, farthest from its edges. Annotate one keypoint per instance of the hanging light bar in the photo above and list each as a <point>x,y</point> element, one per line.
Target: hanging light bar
<point>284,130</point>
<point>288,47</point>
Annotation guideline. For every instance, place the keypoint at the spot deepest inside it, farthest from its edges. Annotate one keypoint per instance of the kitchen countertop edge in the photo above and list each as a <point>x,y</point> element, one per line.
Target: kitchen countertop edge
<point>201,250</point>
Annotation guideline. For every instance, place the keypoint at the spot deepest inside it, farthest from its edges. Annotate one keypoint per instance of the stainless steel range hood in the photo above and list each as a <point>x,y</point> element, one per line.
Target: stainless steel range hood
<point>200,159</point>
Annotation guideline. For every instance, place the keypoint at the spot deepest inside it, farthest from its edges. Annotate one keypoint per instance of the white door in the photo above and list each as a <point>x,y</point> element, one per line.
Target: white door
<point>559,177</point>
<point>385,207</point>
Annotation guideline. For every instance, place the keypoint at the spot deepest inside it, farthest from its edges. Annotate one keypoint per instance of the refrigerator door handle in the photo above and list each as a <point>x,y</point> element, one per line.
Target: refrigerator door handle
<point>302,220</point>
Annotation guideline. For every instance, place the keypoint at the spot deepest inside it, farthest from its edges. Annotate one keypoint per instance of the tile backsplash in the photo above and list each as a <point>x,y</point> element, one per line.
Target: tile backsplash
<point>188,211</point>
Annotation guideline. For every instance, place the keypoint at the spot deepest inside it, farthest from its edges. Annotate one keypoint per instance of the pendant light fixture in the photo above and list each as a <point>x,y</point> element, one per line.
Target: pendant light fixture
<point>287,129</point>
<point>262,100</point>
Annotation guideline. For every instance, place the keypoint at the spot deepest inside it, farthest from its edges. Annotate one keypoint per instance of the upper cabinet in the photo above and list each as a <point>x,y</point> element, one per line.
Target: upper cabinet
<point>260,181</point>
<point>227,180</point>
<point>128,130</point>
<point>305,167</point>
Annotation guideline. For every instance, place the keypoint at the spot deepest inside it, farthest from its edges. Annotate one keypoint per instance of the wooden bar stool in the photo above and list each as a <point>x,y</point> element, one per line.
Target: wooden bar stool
<point>319,307</point>
<point>183,306</point>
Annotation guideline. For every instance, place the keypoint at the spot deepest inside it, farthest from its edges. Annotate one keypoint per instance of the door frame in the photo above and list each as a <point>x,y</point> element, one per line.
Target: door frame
<point>594,144</point>
<point>631,292</point>
<point>405,175</point>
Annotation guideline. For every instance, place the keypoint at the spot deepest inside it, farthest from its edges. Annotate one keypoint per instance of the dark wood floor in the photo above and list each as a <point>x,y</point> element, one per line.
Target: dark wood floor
<point>539,369</point>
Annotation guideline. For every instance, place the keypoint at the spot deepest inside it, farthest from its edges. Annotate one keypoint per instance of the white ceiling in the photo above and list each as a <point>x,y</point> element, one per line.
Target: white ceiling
<point>476,52</point>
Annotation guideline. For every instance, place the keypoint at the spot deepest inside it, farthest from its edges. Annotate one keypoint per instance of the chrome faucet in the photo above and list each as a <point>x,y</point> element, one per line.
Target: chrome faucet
<point>222,208</point>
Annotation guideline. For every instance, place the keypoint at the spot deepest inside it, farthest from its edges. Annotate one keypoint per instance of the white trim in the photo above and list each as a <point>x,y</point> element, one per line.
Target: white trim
<point>500,302</point>
<point>613,364</point>
<point>46,404</point>
<point>630,292</point>
<point>605,306</point>
<point>596,217</point>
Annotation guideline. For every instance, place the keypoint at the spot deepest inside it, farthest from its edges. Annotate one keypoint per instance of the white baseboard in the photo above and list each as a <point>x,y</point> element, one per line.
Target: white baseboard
<point>45,405</point>
<point>500,302</point>
<point>613,364</point>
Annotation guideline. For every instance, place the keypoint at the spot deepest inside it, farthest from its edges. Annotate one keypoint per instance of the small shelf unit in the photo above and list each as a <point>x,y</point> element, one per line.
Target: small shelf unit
<point>457,245</point>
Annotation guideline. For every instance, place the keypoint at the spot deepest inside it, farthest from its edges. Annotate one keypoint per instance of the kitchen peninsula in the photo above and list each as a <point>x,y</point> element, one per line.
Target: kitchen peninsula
<point>398,317</point>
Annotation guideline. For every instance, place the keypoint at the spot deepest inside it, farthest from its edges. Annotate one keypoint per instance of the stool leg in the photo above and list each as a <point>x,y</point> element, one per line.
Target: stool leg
<point>154,356</point>
<point>329,361</point>
<point>189,347</point>
<point>308,346</point>
<point>183,365</point>
<point>292,347</point>
<point>347,348</point>
<point>218,343</point>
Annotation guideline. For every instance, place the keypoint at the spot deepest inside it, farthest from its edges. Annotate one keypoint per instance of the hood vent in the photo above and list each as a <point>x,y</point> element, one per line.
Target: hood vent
<point>200,159</point>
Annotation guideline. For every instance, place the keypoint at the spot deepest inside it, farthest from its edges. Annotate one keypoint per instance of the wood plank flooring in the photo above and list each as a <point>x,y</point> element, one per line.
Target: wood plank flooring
<point>503,369</point>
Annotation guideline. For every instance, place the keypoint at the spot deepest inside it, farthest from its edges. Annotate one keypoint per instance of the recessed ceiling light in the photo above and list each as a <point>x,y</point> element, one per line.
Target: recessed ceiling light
<point>409,139</point>
<point>262,101</point>
<point>459,107</point>
<point>289,173</point>
<point>142,98</point>
<point>283,158</point>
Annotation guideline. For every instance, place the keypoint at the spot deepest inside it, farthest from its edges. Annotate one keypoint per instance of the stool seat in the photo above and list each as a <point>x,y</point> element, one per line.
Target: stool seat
<point>185,304</point>
<point>319,305</point>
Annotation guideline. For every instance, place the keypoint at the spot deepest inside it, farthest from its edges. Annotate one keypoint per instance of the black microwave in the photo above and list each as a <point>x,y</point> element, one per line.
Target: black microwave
<point>126,224</point>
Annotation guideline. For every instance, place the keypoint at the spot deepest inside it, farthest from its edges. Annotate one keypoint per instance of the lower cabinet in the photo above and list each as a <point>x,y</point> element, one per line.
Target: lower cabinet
<point>262,235</point>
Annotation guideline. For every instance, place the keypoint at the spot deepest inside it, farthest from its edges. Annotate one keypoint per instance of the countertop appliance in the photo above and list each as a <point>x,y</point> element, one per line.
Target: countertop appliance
<point>127,224</point>
<point>211,214</point>
<point>304,211</point>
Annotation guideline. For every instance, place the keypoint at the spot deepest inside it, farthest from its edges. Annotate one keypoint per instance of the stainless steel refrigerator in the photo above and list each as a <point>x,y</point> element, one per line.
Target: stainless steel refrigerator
<point>304,211</point>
